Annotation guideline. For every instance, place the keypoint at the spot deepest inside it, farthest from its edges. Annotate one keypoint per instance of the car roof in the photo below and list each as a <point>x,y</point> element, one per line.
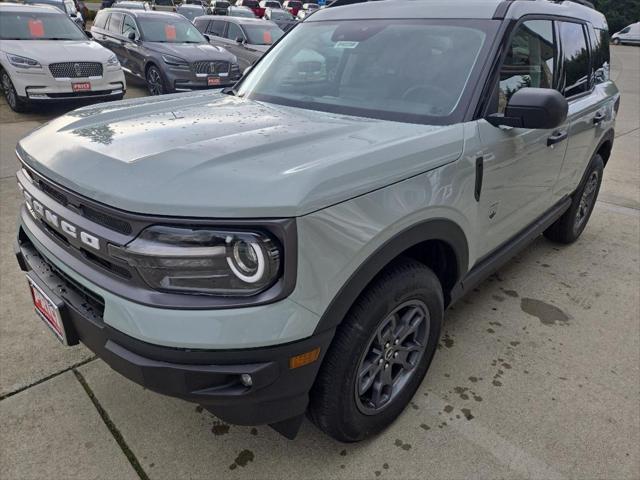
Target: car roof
<point>241,20</point>
<point>454,9</point>
<point>143,13</point>
<point>32,7</point>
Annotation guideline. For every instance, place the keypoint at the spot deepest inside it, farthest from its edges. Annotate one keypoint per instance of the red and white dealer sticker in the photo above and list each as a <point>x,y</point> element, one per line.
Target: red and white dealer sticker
<point>81,87</point>
<point>47,310</point>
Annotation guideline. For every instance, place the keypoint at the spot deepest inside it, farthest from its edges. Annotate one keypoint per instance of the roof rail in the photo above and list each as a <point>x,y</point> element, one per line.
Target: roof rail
<point>340,3</point>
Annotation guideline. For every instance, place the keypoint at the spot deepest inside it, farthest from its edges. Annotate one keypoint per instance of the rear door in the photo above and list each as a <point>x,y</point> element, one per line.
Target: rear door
<point>520,166</point>
<point>590,108</point>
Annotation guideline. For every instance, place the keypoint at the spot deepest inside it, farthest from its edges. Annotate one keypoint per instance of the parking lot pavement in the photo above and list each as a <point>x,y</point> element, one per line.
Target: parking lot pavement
<point>537,374</point>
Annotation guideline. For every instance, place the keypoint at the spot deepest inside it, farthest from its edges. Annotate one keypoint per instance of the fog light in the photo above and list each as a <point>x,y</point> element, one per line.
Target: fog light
<point>246,379</point>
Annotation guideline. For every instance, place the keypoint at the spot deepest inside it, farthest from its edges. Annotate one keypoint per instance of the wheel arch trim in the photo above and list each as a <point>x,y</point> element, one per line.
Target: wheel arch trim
<point>440,229</point>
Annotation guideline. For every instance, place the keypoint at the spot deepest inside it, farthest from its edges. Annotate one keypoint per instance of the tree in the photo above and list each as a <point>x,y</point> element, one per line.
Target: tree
<point>619,13</point>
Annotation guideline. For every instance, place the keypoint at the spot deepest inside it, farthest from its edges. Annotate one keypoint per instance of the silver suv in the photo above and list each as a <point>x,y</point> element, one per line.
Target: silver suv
<point>290,245</point>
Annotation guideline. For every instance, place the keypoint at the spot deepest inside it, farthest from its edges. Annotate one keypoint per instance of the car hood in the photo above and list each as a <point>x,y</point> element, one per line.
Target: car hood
<point>191,51</point>
<point>52,51</point>
<point>218,156</point>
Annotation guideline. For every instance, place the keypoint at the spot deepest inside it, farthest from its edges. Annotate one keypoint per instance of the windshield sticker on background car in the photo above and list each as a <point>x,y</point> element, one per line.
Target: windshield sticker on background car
<point>266,37</point>
<point>170,32</point>
<point>345,44</point>
<point>36,28</point>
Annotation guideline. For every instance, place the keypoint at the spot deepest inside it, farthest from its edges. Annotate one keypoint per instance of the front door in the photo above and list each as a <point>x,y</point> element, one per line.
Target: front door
<point>520,166</point>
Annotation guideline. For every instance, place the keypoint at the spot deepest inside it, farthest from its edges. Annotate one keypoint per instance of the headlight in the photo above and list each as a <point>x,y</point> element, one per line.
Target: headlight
<point>113,60</point>
<point>22,62</point>
<point>203,261</point>
<point>175,61</point>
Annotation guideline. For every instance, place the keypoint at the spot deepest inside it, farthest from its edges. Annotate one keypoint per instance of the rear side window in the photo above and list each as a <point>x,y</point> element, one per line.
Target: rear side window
<point>530,60</point>
<point>101,20</point>
<point>576,59</point>
<point>115,23</point>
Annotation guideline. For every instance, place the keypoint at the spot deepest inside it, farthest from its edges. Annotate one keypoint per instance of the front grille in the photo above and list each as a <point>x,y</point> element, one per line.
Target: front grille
<point>108,221</point>
<point>76,69</point>
<point>215,67</point>
<point>58,196</point>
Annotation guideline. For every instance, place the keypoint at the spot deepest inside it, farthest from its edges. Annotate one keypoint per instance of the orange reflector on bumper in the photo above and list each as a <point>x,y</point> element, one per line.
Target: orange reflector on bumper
<point>304,358</point>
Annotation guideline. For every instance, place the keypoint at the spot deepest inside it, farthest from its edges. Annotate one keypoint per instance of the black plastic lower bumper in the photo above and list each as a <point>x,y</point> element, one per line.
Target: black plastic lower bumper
<point>211,378</point>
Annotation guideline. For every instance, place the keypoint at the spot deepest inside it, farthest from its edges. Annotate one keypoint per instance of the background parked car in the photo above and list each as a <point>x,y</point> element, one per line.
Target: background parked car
<point>190,11</point>
<point>107,4</point>
<point>280,17</point>
<point>246,38</point>
<point>264,4</point>
<point>131,5</point>
<point>254,5</point>
<point>243,12</point>
<point>306,10</point>
<point>163,5</point>
<point>165,50</point>
<point>67,6</point>
<point>44,57</point>
<point>218,7</point>
<point>293,6</point>
<point>630,35</point>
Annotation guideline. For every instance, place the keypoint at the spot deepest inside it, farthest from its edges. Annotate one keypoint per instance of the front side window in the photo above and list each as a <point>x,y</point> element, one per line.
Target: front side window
<point>38,26</point>
<point>413,71</point>
<point>601,55</point>
<point>530,60</point>
<point>216,27</point>
<point>234,32</point>
<point>576,59</point>
<point>129,25</point>
<point>169,29</point>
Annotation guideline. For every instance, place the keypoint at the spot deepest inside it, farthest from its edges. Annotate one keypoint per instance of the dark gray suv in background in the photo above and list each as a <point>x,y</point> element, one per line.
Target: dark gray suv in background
<point>165,50</point>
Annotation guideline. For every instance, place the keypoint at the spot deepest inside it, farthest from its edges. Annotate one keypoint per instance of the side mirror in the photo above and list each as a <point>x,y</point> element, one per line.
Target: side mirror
<point>131,36</point>
<point>88,34</point>
<point>536,108</point>
<point>239,40</point>
<point>207,37</point>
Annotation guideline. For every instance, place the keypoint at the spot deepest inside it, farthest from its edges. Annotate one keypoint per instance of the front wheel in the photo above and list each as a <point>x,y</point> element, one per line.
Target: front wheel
<point>10,94</point>
<point>615,41</point>
<point>380,354</point>
<point>155,81</point>
<point>572,223</point>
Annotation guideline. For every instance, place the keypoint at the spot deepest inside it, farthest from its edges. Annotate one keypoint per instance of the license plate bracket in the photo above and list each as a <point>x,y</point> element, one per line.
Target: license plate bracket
<point>52,311</point>
<point>213,81</point>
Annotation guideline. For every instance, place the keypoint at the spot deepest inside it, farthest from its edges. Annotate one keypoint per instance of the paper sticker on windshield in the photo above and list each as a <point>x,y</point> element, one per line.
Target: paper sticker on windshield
<point>345,44</point>
<point>36,28</point>
<point>170,32</point>
<point>266,37</point>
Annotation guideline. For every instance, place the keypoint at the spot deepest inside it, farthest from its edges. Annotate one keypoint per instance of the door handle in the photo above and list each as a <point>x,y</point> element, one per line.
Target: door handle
<point>557,137</point>
<point>599,118</point>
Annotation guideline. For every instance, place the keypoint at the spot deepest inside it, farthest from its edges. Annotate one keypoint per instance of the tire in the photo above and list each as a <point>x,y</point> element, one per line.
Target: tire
<point>616,41</point>
<point>336,406</point>
<point>155,81</point>
<point>572,223</point>
<point>13,100</point>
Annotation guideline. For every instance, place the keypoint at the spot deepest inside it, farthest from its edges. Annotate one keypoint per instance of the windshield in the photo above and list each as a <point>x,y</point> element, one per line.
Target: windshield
<point>38,26</point>
<point>294,4</point>
<point>406,70</point>
<point>241,12</point>
<point>168,29</point>
<point>262,34</point>
<point>250,3</point>
<point>191,11</point>
<point>281,15</point>
<point>272,4</point>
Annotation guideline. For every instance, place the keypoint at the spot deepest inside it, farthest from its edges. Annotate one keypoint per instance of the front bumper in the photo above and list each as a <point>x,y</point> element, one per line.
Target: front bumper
<point>41,86</point>
<point>182,80</point>
<point>211,378</point>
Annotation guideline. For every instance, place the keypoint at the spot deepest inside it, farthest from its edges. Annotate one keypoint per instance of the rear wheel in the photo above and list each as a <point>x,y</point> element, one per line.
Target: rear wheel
<point>380,354</point>
<point>572,223</point>
<point>155,81</point>
<point>10,94</point>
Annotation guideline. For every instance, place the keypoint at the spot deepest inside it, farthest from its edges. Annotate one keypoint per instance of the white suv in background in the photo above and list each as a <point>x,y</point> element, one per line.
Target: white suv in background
<point>45,57</point>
